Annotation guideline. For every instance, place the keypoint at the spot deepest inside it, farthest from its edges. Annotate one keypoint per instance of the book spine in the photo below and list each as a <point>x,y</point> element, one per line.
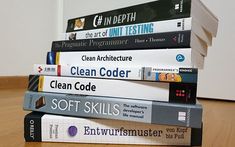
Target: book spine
<point>115,108</point>
<point>181,39</point>
<point>148,12</point>
<point>79,130</point>
<point>183,75</point>
<point>156,91</point>
<point>32,127</point>
<point>144,58</point>
<point>130,30</point>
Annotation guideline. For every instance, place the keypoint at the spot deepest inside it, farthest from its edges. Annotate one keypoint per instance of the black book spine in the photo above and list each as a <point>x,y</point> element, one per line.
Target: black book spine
<point>32,127</point>
<point>179,39</point>
<point>196,136</point>
<point>183,93</point>
<point>147,12</point>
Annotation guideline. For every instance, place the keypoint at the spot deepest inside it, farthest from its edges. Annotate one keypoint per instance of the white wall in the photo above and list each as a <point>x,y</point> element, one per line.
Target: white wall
<point>216,79</point>
<point>27,28</point>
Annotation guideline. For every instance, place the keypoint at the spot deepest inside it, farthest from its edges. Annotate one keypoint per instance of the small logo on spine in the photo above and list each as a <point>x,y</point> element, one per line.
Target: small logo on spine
<point>180,58</point>
<point>182,116</point>
<point>72,131</point>
<point>174,39</point>
<point>40,69</point>
<point>177,6</point>
<point>178,24</point>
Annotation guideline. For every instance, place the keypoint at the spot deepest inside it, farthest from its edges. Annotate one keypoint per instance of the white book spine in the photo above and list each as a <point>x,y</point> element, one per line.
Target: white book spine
<point>130,30</point>
<point>112,88</point>
<point>108,72</point>
<point>142,58</point>
<point>79,130</point>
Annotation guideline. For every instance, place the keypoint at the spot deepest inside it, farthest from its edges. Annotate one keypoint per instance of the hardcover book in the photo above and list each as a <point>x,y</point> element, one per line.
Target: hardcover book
<point>53,128</point>
<point>153,112</point>
<point>156,91</point>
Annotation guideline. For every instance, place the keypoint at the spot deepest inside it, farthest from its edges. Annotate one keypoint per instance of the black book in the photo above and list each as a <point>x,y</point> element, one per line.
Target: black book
<point>148,12</point>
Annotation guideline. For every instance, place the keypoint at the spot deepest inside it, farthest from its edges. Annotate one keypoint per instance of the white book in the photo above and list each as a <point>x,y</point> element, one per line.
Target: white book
<point>181,24</point>
<point>164,74</point>
<point>187,58</point>
<point>156,91</point>
<point>53,128</point>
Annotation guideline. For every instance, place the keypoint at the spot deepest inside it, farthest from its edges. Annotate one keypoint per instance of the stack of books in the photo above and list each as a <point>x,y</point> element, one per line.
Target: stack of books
<point>126,76</point>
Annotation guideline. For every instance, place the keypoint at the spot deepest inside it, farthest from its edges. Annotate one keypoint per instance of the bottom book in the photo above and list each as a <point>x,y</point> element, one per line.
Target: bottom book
<point>40,127</point>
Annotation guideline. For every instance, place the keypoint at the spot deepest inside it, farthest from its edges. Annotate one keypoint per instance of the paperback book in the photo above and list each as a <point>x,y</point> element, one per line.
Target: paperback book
<point>148,12</point>
<point>152,112</point>
<point>156,91</point>
<point>182,75</point>
<point>53,128</point>
<point>185,58</point>
<point>171,40</point>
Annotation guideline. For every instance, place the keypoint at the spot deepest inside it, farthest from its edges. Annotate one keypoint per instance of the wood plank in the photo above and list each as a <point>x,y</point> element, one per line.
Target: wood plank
<point>9,82</point>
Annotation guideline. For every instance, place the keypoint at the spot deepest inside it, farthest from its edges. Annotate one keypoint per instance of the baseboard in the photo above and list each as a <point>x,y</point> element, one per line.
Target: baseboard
<point>9,82</point>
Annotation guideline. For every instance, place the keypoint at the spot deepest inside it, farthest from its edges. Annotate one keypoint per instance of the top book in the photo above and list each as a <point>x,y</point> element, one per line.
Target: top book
<point>148,12</point>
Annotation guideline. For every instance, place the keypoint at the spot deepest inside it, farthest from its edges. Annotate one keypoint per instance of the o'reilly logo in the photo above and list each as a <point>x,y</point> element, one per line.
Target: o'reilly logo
<point>180,58</point>
<point>31,129</point>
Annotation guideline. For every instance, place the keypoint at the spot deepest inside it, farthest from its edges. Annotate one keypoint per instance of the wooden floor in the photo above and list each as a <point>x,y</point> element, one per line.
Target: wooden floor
<point>218,118</point>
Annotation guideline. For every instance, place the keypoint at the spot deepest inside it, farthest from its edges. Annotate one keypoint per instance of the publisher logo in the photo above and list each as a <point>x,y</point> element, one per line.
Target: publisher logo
<point>40,69</point>
<point>72,131</point>
<point>177,6</point>
<point>179,24</point>
<point>180,58</point>
<point>182,116</point>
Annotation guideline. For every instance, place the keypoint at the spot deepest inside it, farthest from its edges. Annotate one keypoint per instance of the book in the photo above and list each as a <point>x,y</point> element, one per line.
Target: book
<point>185,58</point>
<point>52,128</point>
<point>170,40</point>
<point>153,112</point>
<point>174,25</point>
<point>148,12</point>
<point>156,91</point>
<point>160,74</point>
